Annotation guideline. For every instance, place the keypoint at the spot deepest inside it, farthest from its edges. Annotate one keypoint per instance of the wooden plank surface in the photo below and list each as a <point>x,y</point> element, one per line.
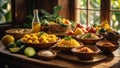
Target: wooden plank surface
<point>112,61</point>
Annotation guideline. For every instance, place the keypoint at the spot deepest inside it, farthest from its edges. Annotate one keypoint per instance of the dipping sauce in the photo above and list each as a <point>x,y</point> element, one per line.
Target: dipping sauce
<point>46,53</point>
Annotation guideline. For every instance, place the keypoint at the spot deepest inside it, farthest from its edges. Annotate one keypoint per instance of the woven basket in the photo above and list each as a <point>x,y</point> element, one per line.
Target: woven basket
<point>18,35</point>
<point>56,28</point>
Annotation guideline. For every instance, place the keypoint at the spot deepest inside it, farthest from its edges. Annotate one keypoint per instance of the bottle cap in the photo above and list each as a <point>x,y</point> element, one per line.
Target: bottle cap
<point>35,11</point>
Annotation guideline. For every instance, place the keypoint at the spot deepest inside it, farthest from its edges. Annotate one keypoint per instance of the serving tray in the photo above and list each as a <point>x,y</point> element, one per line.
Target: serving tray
<point>98,58</point>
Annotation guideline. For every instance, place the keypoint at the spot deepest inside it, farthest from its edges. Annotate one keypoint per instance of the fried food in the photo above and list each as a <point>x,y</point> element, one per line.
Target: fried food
<point>85,49</point>
<point>37,38</point>
<point>106,44</point>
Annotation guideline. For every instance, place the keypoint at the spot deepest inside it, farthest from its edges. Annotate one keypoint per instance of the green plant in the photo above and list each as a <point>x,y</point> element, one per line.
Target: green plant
<point>46,17</point>
<point>5,11</point>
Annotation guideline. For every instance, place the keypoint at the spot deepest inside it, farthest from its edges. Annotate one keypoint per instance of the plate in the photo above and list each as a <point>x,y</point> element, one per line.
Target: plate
<point>98,58</point>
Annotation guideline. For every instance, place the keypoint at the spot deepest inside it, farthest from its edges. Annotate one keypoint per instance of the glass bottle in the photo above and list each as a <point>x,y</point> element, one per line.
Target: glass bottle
<point>36,22</point>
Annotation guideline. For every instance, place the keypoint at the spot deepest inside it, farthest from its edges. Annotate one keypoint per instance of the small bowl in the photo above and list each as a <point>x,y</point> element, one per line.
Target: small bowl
<point>47,57</point>
<point>18,33</point>
<point>89,41</point>
<point>107,49</point>
<point>111,36</point>
<point>86,55</point>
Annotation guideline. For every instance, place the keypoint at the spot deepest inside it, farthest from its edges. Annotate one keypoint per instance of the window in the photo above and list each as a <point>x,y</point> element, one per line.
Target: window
<point>115,14</point>
<point>89,12</point>
<point>5,11</point>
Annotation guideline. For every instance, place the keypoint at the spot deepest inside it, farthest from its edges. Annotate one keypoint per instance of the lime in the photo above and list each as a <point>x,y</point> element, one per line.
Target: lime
<point>12,44</point>
<point>22,47</point>
<point>18,43</point>
<point>14,50</point>
<point>29,51</point>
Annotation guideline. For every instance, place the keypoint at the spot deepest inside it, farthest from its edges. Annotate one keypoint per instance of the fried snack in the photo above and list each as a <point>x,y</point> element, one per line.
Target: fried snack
<point>39,38</point>
<point>85,49</point>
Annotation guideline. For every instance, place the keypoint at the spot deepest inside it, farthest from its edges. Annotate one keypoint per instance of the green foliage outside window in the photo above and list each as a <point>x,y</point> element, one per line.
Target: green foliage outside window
<point>5,11</point>
<point>115,16</point>
<point>94,16</point>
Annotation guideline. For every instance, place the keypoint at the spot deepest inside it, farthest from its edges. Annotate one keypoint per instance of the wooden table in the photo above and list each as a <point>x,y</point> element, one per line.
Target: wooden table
<point>25,62</point>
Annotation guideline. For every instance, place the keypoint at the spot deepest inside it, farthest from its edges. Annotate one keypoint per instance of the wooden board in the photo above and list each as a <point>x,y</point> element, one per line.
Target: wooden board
<point>58,62</point>
<point>97,58</point>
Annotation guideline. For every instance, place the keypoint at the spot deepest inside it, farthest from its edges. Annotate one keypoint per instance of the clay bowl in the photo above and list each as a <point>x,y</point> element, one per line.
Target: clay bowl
<point>106,48</point>
<point>88,41</point>
<point>40,46</point>
<point>86,55</point>
<point>47,57</point>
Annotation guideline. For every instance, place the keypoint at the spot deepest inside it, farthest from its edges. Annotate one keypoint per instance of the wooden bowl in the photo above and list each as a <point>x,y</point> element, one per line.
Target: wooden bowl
<point>89,41</point>
<point>107,49</point>
<point>86,55</point>
<point>40,46</point>
<point>18,33</point>
<point>47,57</point>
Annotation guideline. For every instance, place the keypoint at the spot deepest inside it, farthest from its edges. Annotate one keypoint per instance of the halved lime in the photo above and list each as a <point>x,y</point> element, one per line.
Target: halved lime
<point>14,50</point>
<point>29,51</point>
<point>12,45</point>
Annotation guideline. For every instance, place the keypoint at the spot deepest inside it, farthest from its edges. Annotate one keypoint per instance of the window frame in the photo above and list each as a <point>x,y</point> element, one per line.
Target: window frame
<point>104,11</point>
<point>6,24</point>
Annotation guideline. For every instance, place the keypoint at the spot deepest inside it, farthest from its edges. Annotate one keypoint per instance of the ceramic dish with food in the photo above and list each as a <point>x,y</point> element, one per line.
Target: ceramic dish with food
<point>107,46</point>
<point>18,33</point>
<point>89,38</point>
<point>40,40</point>
<point>86,52</point>
<point>47,54</point>
<point>67,43</point>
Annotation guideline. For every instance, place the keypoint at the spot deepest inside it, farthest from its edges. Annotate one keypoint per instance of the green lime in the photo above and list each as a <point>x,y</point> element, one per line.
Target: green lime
<point>12,44</point>
<point>18,43</point>
<point>14,50</point>
<point>22,48</point>
<point>29,51</point>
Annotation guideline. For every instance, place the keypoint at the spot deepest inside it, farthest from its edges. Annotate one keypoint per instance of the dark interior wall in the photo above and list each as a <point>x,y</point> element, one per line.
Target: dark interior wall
<point>65,12</point>
<point>21,8</point>
<point>46,4</point>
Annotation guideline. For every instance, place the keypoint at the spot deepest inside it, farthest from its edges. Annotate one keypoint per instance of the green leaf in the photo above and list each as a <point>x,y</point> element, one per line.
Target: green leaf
<point>8,16</point>
<point>56,10</point>
<point>88,35</point>
<point>5,6</point>
<point>44,22</point>
<point>2,18</point>
<point>68,38</point>
<point>44,12</point>
<point>2,11</point>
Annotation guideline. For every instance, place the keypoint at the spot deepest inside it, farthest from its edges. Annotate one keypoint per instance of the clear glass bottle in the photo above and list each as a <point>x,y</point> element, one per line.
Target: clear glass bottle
<point>36,22</point>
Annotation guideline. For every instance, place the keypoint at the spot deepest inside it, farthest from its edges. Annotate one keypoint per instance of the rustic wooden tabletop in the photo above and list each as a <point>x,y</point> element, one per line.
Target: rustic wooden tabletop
<point>112,61</point>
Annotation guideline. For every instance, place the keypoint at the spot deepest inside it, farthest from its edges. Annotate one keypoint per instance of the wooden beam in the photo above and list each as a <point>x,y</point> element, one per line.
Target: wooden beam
<point>105,10</point>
